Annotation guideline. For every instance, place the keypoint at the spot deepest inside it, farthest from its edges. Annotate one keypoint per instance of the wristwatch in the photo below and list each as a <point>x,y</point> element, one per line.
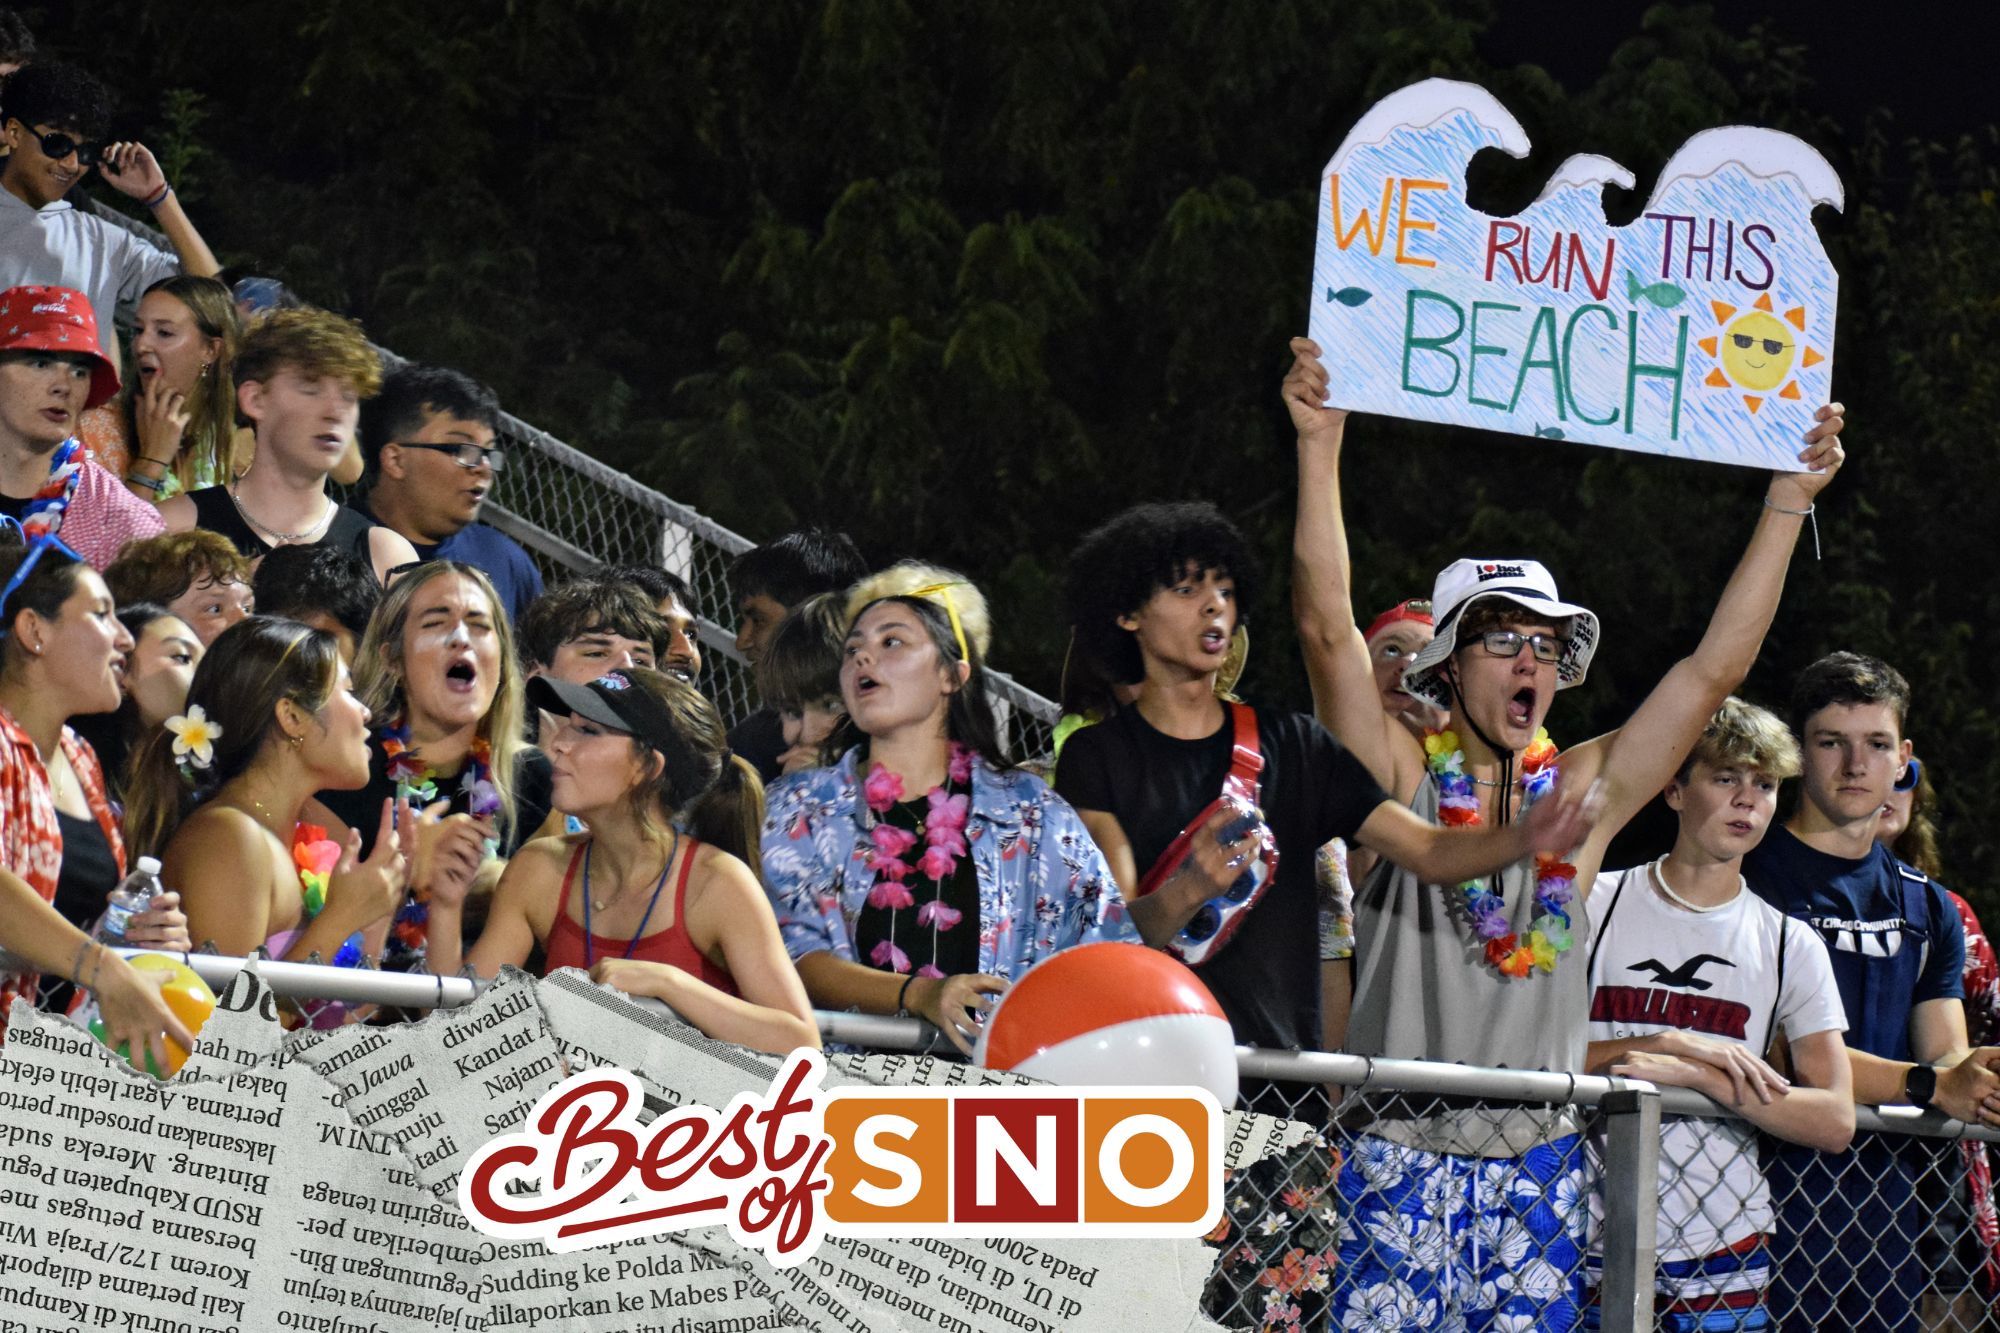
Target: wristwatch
<point>1920,1085</point>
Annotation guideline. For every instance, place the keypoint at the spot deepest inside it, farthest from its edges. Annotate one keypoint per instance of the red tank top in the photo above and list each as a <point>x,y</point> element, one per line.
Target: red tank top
<point>565,945</point>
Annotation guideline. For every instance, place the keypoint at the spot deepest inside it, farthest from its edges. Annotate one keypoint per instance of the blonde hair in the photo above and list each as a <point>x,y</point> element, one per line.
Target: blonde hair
<point>1742,735</point>
<point>906,577</point>
<point>378,673</point>
<point>312,342</point>
<point>211,406</point>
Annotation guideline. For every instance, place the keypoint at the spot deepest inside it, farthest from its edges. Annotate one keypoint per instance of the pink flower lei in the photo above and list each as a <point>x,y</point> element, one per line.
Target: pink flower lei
<point>943,835</point>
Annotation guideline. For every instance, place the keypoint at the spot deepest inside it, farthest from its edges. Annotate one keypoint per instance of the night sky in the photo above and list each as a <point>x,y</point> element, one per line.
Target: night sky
<point>1920,60</point>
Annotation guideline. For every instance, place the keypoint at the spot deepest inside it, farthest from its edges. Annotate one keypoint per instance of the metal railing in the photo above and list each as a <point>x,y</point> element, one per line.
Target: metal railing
<point>1425,1195</point>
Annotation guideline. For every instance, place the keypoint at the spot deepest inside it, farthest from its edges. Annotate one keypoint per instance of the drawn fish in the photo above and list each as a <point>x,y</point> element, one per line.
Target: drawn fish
<point>1547,432</point>
<point>1662,294</point>
<point>1350,296</point>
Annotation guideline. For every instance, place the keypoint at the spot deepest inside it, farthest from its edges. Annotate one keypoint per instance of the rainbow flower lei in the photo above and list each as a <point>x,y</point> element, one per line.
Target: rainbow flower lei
<point>416,783</point>
<point>315,856</point>
<point>1549,934</point>
<point>409,932</point>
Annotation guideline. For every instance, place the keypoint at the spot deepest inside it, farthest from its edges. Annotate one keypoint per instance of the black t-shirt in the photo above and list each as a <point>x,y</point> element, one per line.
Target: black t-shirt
<point>10,506</point>
<point>1311,790</point>
<point>760,740</point>
<point>363,809</point>
<point>89,871</point>
<point>214,510</point>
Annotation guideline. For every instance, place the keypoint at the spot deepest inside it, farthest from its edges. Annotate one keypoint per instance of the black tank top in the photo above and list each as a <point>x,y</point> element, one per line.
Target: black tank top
<point>216,511</point>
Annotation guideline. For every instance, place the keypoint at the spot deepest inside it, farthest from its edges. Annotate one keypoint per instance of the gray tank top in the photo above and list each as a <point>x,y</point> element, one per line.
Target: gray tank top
<point>1423,990</point>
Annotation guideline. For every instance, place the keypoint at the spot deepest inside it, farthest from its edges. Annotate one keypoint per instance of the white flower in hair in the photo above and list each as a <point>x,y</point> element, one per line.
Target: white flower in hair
<point>194,736</point>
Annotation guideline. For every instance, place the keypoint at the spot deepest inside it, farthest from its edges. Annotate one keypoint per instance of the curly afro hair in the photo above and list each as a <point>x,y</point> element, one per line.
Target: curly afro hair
<point>62,95</point>
<point>1115,569</point>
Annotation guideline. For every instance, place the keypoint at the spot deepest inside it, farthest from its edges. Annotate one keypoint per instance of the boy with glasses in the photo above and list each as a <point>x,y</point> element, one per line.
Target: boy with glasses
<point>1446,1202</point>
<point>428,440</point>
<point>54,118</point>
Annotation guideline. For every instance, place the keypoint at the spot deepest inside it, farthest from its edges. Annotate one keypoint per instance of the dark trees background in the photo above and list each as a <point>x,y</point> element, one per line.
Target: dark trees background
<point>964,278</point>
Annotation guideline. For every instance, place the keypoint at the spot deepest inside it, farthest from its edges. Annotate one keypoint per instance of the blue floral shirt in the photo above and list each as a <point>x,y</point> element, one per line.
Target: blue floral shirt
<point>1043,884</point>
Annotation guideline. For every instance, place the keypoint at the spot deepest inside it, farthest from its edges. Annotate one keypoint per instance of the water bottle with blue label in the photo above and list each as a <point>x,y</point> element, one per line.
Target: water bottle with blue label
<point>134,894</point>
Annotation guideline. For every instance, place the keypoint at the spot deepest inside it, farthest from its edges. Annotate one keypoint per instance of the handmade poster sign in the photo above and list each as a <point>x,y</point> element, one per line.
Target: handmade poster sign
<point>1703,329</point>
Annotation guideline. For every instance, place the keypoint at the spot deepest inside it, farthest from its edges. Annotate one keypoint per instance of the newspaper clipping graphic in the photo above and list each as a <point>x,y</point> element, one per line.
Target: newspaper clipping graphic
<point>310,1182</point>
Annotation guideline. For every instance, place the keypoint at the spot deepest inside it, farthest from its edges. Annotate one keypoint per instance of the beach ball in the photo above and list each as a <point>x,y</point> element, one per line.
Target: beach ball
<point>185,993</point>
<point>1115,1014</point>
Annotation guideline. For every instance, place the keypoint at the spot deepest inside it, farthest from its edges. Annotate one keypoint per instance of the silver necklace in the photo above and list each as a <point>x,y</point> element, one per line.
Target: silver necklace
<point>326,516</point>
<point>1660,882</point>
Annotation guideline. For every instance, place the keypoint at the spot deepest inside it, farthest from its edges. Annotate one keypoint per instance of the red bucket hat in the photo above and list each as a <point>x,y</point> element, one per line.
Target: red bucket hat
<point>57,319</point>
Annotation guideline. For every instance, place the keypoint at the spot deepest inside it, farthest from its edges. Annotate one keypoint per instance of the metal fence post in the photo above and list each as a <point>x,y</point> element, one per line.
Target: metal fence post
<point>1631,1206</point>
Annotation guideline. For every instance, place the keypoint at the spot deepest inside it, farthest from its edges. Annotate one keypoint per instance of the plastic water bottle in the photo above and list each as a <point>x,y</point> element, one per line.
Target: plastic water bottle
<point>134,894</point>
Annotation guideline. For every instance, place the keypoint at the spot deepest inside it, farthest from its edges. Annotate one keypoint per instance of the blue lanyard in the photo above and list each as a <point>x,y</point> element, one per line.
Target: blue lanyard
<point>589,938</point>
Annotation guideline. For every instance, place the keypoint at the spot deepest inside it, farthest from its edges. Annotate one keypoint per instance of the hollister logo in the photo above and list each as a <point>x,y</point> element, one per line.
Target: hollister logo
<point>1500,572</point>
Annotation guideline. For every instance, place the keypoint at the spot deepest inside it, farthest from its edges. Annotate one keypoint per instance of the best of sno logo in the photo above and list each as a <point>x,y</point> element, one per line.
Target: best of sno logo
<point>783,1168</point>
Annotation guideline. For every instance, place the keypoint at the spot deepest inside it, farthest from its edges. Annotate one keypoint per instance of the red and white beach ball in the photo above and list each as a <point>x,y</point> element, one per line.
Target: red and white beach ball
<point>1115,1014</point>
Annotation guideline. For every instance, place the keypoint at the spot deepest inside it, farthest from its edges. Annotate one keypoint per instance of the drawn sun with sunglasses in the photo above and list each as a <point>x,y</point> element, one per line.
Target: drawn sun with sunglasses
<point>1756,350</point>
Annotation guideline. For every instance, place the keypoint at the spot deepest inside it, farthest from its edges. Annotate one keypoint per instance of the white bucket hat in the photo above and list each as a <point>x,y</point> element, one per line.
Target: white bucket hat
<point>1527,582</point>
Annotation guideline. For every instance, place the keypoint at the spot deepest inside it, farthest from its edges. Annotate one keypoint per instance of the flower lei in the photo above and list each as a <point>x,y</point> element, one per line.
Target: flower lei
<point>943,830</point>
<point>316,855</point>
<point>416,783</point>
<point>43,515</point>
<point>1549,935</point>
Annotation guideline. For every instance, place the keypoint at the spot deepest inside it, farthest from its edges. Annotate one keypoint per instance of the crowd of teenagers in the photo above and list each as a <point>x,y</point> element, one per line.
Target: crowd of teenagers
<point>361,731</point>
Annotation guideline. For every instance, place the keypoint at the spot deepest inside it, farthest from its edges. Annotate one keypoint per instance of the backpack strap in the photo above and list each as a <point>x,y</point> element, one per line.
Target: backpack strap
<point>1604,922</point>
<point>1771,1028</point>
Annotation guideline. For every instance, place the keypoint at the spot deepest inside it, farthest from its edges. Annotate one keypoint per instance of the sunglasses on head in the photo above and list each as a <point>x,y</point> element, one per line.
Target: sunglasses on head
<point>37,545</point>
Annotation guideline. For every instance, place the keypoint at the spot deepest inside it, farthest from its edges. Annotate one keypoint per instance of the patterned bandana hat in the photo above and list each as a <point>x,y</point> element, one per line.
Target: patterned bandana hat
<point>39,318</point>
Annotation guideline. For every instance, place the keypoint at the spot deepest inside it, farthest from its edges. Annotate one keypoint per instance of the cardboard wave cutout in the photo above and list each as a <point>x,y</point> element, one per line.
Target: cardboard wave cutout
<point>1703,329</point>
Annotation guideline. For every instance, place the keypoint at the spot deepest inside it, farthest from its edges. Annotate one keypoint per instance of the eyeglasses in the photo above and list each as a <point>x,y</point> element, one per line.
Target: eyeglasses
<point>1771,345</point>
<point>59,146</point>
<point>467,456</point>
<point>1507,643</point>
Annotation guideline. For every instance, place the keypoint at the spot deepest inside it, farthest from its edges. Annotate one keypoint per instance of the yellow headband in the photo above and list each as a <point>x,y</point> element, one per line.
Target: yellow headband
<point>935,591</point>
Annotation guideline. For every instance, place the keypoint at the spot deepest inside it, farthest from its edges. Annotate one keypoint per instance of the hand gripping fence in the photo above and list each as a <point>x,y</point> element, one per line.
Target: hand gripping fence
<point>1430,1196</point>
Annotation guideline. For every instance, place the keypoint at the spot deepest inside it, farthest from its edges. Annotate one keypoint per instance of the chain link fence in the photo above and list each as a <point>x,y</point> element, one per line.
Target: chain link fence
<point>1418,1196</point>
<point>576,515</point>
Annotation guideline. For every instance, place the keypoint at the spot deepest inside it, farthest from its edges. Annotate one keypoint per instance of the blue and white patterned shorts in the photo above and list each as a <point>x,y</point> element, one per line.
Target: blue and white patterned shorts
<point>1435,1241</point>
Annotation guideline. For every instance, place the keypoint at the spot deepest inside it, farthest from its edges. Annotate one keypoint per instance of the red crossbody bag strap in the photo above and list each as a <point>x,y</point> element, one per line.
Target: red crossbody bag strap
<point>1246,761</point>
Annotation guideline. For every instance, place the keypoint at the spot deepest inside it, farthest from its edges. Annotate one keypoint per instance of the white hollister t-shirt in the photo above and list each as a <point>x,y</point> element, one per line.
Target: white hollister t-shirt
<point>1742,972</point>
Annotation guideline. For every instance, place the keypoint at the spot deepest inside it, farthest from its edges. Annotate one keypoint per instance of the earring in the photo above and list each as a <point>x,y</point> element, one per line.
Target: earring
<point>295,741</point>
